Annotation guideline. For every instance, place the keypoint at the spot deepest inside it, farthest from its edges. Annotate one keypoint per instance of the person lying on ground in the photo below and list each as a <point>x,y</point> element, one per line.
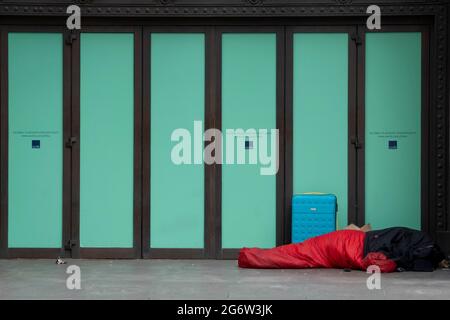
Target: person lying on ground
<point>391,249</point>
<point>364,228</point>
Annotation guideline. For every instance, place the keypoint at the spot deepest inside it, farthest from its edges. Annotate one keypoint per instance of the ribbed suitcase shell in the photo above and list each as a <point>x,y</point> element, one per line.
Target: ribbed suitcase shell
<point>313,215</point>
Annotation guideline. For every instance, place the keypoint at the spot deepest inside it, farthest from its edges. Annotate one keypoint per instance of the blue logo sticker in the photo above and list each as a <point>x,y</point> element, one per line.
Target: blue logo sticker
<point>36,144</point>
<point>392,144</point>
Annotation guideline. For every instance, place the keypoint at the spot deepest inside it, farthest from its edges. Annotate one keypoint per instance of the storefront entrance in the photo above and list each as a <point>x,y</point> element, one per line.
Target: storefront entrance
<point>88,122</point>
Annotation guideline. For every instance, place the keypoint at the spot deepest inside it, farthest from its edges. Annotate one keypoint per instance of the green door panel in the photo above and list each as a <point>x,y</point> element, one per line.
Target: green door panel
<point>177,100</point>
<point>35,104</point>
<point>106,140</point>
<point>248,101</point>
<point>393,113</point>
<point>320,123</point>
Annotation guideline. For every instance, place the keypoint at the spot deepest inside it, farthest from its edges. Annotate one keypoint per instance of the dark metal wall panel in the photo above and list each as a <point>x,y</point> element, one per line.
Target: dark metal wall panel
<point>443,237</point>
<point>448,115</point>
<point>215,8</point>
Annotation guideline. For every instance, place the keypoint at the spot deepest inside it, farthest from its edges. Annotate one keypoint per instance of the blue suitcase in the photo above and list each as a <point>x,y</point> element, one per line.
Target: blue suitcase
<point>313,214</point>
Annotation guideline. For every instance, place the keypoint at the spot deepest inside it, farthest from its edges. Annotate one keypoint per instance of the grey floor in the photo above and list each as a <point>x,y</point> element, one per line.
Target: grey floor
<point>203,279</point>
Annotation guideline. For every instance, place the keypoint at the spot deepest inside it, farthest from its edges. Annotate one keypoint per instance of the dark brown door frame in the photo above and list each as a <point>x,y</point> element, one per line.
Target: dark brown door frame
<point>5,251</point>
<point>209,170</point>
<point>426,144</point>
<point>352,118</point>
<point>77,251</point>
<point>222,253</point>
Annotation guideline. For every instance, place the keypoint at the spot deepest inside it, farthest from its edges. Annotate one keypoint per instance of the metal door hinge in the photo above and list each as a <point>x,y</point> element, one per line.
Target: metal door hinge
<point>70,244</point>
<point>70,142</point>
<point>71,36</point>
<point>356,38</point>
<point>356,143</point>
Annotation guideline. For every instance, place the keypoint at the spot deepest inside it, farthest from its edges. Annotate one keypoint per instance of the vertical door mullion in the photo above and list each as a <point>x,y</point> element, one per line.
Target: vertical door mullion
<point>75,132</point>
<point>289,127</point>
<point>353,141</point>
<point>67,152</point>
<point>218,125</point>
<point>210,120</point>
<point>280,125</point>
<point>4,144</point>
<point>361,131</point>
<point>137,150</point>
<point>146,150</point>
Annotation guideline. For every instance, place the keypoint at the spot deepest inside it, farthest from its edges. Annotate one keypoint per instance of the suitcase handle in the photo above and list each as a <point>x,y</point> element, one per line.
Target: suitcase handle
<point>319,193</point>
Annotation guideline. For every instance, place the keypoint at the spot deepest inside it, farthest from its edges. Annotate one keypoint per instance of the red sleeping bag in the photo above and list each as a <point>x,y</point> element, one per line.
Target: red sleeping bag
<point>339,249</point>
